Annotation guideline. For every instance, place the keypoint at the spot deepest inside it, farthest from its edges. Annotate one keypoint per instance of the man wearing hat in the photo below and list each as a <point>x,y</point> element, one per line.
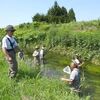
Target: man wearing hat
<point>10,47</point>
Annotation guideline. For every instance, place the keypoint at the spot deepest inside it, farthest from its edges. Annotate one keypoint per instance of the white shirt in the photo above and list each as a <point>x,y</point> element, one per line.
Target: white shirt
<point>6,43</point>
<point>41,53</point>
<point>74,73</point>
<point>75,77</point>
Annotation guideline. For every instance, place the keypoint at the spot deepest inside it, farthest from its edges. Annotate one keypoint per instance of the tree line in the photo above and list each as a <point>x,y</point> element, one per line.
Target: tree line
<point>56,14</point>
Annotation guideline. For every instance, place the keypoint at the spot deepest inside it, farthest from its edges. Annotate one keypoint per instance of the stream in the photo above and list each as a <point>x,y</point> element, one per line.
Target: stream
<point>53,68</point>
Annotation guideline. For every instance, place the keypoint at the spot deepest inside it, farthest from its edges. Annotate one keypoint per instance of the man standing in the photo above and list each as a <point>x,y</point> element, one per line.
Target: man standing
<point>10,47</point>
<point>42,55</point>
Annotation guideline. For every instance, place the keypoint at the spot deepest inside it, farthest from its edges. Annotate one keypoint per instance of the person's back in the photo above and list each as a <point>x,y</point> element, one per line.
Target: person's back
<point>41,53</point>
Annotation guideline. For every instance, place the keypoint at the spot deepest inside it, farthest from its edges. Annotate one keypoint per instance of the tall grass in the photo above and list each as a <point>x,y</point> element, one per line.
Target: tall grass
<point>81,37</point>
<point>30,85</point>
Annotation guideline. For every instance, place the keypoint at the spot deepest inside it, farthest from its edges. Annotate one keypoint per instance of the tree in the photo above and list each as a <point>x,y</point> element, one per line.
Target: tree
<point>40,18</point>
<point>56,14</point>
<point>43,18</point>
<point>71,15</point>
<point>36,17</point>
<point>64,15</point>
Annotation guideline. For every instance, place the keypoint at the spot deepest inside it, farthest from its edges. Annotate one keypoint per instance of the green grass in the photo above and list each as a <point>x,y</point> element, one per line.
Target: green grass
<point>65,40</point>
<point>30,85</point>
<point>93,77</point>
<point>81,37</point>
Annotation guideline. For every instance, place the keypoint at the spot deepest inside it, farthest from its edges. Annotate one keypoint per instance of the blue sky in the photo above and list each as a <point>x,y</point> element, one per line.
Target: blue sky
<point>19,11</point>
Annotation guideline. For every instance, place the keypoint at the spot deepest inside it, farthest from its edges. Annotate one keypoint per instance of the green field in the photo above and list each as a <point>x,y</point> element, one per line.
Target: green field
<point>30,85</point>
<point>74,37</point>
<point>62,41</point>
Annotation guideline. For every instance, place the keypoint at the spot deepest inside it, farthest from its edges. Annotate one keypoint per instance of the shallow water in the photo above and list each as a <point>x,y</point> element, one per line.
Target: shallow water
<point>52,72</point>
<point>91,83</point>
<point>53,68</point>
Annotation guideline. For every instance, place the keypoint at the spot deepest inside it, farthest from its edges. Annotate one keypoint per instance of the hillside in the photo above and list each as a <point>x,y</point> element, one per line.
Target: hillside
<point>62,42</point>
<point>75,37</point>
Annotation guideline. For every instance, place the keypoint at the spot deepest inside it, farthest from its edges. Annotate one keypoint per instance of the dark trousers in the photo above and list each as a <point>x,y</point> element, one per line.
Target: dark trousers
<point>13,65</point>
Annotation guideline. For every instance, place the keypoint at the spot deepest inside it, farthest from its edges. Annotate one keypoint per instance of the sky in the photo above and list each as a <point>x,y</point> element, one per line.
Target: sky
<point>15,12</point>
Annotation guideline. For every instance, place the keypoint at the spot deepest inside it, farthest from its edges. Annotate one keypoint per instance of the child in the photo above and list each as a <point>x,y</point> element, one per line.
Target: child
<point>74,79</point>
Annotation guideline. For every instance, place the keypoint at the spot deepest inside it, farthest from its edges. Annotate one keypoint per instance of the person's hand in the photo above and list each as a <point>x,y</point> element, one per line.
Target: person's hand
<point>9,59</point>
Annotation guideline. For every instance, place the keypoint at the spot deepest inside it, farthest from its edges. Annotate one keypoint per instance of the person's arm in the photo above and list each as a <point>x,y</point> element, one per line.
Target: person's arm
<point>66,80</point>
<point>80,65</point>
<point>6,54</point>
<point>33,54</point>
<point>4,46</point>
<point>17,49</point>
<point>70,80</point>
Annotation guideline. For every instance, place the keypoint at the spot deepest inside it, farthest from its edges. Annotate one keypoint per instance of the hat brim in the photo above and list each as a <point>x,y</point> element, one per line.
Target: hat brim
<point>11,30</point>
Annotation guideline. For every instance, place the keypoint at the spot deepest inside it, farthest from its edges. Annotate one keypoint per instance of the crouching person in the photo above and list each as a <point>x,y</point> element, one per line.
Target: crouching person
<point>74,80</point>
<point>10,47</point>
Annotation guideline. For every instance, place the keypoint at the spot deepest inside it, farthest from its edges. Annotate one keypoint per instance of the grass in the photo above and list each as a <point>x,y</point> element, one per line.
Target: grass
<point>93,77</point>
<point>80,37</point>
<point>30,85</point>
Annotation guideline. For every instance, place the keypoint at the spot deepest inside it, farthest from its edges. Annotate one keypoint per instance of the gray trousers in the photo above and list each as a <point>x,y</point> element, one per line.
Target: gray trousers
<point>42,61</point>
<point>13,65</point>
<point>36,61</point>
